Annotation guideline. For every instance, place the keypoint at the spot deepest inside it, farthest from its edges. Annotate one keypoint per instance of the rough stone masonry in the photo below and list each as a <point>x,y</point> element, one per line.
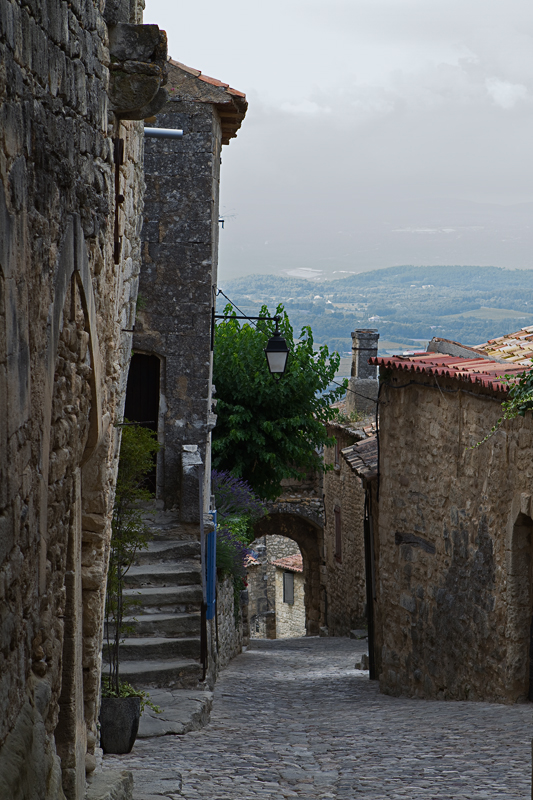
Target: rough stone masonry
<point>70,203</point>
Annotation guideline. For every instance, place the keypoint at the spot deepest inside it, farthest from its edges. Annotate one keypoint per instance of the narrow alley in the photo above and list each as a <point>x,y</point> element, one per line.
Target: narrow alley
<point>293,718</point>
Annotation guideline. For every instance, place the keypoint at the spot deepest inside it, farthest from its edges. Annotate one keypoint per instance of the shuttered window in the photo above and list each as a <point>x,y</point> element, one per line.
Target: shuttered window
<point>338,534</point>
<point>337,455</point>
<point>288,588</point>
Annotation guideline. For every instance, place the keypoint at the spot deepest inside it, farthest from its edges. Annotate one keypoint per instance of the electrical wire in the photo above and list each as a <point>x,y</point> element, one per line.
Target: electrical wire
<point>372,399</point>
<point>219,291</point>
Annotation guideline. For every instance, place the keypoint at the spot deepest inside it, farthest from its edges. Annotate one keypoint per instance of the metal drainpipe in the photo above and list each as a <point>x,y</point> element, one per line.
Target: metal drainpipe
<point>369,576</point>
<point>163,133</point>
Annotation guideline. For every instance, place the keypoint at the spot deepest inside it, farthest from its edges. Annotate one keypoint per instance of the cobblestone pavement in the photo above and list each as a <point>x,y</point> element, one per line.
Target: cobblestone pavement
<point>293,718</point>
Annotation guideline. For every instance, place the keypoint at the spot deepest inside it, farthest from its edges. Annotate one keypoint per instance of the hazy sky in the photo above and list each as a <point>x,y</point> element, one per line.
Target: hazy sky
<point>379,132</point>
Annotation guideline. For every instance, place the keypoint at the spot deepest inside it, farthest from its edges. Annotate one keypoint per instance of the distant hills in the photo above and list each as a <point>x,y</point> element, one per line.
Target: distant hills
<point>408,305</point>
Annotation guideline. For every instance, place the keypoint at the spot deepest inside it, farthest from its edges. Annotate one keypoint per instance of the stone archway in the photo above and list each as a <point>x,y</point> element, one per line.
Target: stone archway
<point>308,534</point>
<point>520,610</point>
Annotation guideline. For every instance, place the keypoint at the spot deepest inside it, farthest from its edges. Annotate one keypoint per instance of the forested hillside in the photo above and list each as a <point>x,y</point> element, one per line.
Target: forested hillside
<point>407,304</point>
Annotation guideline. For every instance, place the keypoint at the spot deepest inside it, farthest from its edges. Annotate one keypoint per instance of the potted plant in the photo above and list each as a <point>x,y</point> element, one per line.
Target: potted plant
<point>122,705</point>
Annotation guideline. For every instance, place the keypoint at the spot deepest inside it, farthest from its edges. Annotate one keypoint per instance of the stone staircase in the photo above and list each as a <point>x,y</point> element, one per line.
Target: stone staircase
<point>163,648</point>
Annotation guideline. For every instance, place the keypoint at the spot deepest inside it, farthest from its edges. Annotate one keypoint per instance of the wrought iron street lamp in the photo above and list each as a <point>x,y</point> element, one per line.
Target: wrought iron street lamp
<point>276,351</point>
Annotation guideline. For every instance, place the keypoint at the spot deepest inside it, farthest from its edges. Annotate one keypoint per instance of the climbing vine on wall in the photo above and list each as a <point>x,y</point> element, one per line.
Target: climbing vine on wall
<point>519,400</point>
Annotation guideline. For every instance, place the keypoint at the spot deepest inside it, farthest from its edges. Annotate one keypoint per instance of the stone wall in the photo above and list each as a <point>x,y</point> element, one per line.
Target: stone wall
<point>179,274</point>
<point>453,541</point>
<point>343,578</point>
<point>229,631</point>
<point>290,617</point>
<point>66,293</point>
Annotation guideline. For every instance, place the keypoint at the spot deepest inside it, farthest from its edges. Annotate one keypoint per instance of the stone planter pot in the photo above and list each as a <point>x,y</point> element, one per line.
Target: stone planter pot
<point>119,723</point>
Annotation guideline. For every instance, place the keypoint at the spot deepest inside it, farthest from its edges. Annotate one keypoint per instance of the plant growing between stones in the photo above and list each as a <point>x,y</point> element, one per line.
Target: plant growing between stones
<point>129,535</point>
<point>519,400</point>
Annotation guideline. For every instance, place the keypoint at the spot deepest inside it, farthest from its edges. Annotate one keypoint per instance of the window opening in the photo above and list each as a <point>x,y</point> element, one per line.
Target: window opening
<point>338,534</point>
<point>288,588</point>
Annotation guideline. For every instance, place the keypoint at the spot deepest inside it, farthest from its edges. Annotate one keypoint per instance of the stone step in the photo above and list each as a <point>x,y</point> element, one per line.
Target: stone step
<point>152,648</point>
<point>167,673</point>
<point>187,572</point>
<point>179,597</point>
<point>165,551</point>
<point>172,625</point>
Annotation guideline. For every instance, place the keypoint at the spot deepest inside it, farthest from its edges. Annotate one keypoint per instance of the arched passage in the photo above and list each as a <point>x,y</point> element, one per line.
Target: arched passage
<point>520,609</point>
<point>309,536</point>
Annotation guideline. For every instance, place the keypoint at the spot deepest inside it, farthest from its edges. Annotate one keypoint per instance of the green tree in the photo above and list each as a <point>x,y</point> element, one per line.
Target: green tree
<point>267,429</point>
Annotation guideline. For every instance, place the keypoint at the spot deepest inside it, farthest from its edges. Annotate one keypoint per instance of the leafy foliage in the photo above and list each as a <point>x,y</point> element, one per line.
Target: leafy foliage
<point>519,400</point>
<point>238,508</point>
<point>268,430</point>
<point>127,690</point>
<point>129,534</point>
<point>520,396</point>
<point>237,504</point>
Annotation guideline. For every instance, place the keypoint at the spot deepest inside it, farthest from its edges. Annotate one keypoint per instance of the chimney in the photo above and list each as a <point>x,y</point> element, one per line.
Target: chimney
<point>363,385</point>
<point>364,346</point>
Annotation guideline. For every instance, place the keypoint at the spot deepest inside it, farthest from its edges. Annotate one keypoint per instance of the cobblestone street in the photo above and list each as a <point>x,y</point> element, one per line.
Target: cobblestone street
<point>293,718</point>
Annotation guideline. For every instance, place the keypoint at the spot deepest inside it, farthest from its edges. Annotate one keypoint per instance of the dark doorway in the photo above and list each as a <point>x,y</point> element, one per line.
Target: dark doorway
<point>142,398</point>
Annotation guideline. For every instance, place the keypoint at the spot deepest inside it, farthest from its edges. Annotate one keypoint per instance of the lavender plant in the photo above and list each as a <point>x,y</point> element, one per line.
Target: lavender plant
<point>235,497</point>
<point>238,508</point>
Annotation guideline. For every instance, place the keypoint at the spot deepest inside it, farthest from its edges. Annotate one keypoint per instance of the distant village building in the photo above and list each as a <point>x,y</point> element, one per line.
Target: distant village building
<point>290,609</point>
<point>276,607</point>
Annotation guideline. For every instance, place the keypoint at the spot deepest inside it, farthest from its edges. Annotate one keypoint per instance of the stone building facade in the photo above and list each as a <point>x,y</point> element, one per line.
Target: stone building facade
<point>71,193</point>
<point>290,607</point>
<point>263,599</point>
<point>453,532</point>
<point>344,595</point>
<point>179,272</point>
<point>170,379</point>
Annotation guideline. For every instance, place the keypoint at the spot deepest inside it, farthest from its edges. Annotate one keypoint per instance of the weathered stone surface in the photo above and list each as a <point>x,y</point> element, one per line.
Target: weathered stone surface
<point>63,303</point>
<point>344,600</point>
<point>111,785</point>
<point>453,531</point>
<point>293,718</point>
<point>182,711</point>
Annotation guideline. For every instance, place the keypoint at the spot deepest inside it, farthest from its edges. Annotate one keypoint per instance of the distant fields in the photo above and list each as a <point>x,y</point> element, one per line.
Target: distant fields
<point>408,305</point>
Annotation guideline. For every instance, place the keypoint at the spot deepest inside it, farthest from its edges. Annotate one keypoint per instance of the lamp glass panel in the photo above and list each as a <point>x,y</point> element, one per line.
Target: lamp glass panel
<point>277,361</point>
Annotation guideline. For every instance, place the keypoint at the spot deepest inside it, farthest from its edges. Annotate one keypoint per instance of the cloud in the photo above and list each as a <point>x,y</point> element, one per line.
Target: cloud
<point>505,94</point>
<point>305,107</point>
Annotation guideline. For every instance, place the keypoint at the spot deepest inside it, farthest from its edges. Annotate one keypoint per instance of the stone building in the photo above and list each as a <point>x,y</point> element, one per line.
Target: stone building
<point>73,80</point>
<point>290,609</point>
<point>265,600</point>
<point>452,531</point>
<point>297,518</point>
<point>169,384</point>
<point>344,596</point>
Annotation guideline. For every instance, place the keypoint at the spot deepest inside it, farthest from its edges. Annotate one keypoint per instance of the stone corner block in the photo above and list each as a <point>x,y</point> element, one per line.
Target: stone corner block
<point>110,785</point>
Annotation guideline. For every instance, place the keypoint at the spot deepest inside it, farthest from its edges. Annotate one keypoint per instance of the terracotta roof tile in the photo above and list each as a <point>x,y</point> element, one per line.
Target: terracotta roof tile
<point>289,563</point>
<point>231,104</point>
<point>514,348</point>
<point>363,457</point>
<point>490,374</point>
